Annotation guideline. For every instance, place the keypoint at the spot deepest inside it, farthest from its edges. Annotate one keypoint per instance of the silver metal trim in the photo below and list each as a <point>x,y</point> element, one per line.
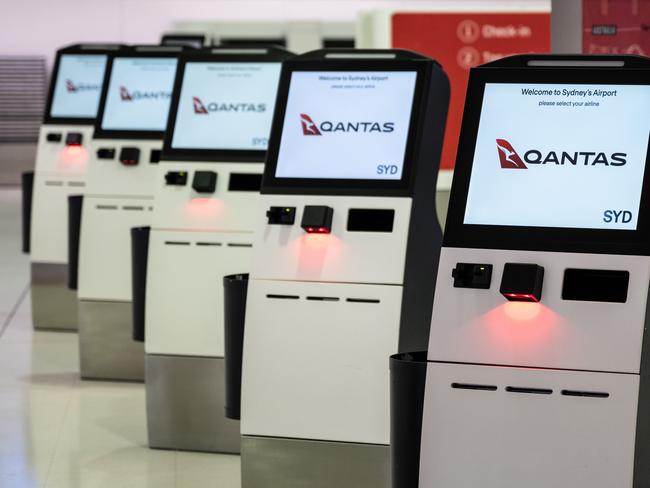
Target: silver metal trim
<point>54,306</point>
<point>158,49</point>
<point>107,47</point>
<point>280,462</point>
<point>186,404</point>
<point>240,51</point>
<point>576,63</point>
<point>107,350</point>
<point>360,56</point>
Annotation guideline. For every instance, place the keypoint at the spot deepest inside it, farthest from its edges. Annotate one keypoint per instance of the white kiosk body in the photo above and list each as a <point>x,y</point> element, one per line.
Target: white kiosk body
<point>344,258</point>
<point>538,359</point>
<point>61,162</point>
<point>205,205</point>
<point>124,156</point>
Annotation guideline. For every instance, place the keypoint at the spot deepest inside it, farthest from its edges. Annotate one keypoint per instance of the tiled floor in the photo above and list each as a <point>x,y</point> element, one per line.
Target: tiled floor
<point>59,432</point>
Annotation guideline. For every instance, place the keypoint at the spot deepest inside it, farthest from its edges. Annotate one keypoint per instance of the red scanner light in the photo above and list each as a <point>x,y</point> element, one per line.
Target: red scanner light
<point>521,297</point>
<point>317,219</point>
<point>317,230</point>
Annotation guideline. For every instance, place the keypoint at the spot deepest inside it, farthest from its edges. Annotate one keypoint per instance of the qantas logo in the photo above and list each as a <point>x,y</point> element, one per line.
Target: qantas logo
<point>73,87</point>
<point>508,156</point>
<point>310,128</point>
<point>510,159</point>
<point>130,96</point>
<point>204,109</point>
<point>199,108</point>
<point>125,95</point>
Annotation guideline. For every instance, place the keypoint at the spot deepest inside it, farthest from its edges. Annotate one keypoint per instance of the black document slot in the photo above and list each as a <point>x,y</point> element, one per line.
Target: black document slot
<point>54,137</point>
<point>595,285</point>
<point>106,153</point>
<point>154,156</point>
<point>370,220</point>
<point>245,182</point>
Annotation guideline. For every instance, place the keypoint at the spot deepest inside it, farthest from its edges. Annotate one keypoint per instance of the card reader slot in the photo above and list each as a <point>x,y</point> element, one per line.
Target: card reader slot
<point>473,386</point>
<point>363,300</point>
<point>177,243</point>
<point>532,391</point>
<point>133,207</point>
<point>239,244</point>
<point>586,394</point>
<point>595,285</point>
<point>106,207</point>
<point>370,220</point>
<point>208,244</point>
<point>282,297</point>
<point>323,299</point>
<point>154,156</point>
<point>53,183</point>
<point>245,182</point>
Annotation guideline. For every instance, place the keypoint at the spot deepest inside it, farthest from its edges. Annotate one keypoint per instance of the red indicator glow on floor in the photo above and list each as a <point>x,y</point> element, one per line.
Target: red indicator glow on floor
<point>319,240</point>
<point>522,311</point>
<point>522,324</point>
<point>74,155</point>
<point>317,230</point>
<point>203,208</point>
<point>315,251</point>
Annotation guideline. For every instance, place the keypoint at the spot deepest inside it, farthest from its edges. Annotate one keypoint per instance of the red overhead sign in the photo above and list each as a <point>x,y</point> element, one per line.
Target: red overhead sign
<point>460,41</point>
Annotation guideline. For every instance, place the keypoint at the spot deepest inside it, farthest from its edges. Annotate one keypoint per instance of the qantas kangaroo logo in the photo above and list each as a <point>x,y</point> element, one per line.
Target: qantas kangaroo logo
<point>125,95</point>
<point>508,156</point>
<point>308,126</point>
<point>72,87</point>
<point>199,108</point>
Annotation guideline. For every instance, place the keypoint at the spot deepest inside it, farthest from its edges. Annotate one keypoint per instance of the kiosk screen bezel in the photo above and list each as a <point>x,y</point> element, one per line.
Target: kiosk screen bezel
<point>334,186</point>
<point>213,155</point>
<point>559,239</point>
<point>74,51</point>
<point>101,133</point>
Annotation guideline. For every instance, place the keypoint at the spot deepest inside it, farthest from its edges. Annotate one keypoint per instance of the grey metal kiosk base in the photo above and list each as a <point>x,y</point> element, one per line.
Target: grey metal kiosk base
<point>270,462</point>
<point>54,306</point>
<point>106,348</point>
<point>186,405</point>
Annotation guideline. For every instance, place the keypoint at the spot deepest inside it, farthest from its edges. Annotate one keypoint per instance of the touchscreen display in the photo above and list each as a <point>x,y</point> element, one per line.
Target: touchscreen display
<point>560,155</point>
<point>139,94</point>
<point>226,106</point>
<point>78,86</point>
<point>346,125</point>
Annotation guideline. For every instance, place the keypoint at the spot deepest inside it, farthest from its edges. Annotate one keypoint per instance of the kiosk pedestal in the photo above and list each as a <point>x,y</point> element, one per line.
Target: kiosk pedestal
<point>61,163</point>
<point>537,366</point>
<point>125,154</point>
<point>205,210</point>
<point>345,252</point>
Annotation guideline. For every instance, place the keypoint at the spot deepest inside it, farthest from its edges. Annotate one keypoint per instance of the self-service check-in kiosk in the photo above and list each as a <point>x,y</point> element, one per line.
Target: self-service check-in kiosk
<point>537,370</point>
<point>124,157</point>
<point>344,258</point>
<point>61,161</point>
<point>206,201</point>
